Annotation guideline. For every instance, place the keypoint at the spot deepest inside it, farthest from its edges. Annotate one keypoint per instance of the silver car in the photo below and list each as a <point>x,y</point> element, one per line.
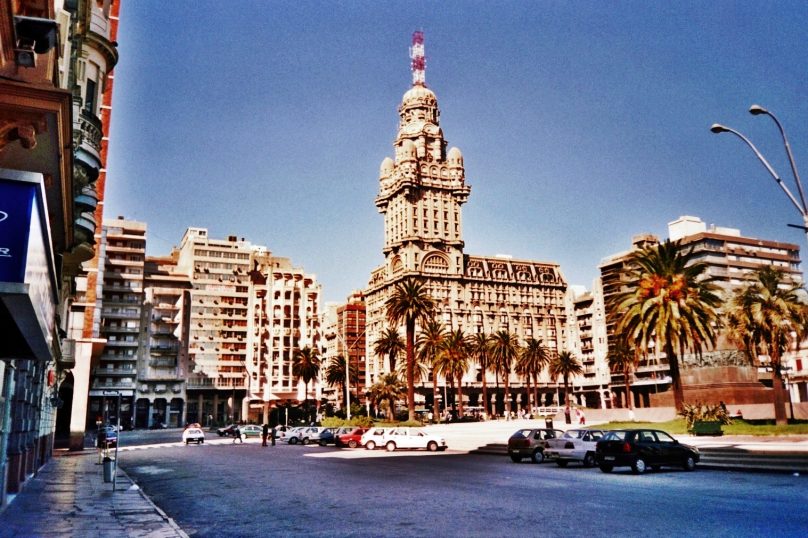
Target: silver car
<point>575,445</point>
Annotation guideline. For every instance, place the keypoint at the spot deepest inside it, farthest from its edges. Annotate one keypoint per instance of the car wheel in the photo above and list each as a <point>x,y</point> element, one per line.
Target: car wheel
<point>390,446</point>
<point>432,446</point>
<point>606,468</point>
<point>201,441</point>
<point>639,466</point>
<point>538,456</point>
<point>589,460</point>
<point>293,441</point>
<point>305,440</point>
<point>186,442</point>
<point>323,443</point>
<point>561,463</point>
<point>370,445</point>
<point>352,444</point>
<point>689,464</point>
<point>516,459</point>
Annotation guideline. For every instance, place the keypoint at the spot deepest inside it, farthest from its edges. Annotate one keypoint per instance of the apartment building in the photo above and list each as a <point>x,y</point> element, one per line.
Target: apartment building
<point>588,342</point>
<point>122,256</point>
<point>162,366</point>
<point>732,259</point>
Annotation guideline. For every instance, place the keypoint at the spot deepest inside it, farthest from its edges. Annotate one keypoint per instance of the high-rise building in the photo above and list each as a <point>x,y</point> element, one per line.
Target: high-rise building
<point>731,259</point>
<point>162,364</point>
<point>249,312</point>
<point>122,256</point>
<point>588,343</point>
<point>421,191</point>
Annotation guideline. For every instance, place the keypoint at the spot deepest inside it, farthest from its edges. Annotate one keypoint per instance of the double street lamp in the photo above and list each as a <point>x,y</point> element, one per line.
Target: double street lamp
<point>757,110</point>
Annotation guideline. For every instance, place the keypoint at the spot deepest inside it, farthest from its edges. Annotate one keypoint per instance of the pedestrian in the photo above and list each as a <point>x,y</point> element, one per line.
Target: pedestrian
<point>274,434</point>
<point>237,434</point>
<point>264,434</point>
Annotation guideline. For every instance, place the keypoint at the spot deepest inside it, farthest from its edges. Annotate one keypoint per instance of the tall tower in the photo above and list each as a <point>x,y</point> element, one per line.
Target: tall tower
<point>421,191</point>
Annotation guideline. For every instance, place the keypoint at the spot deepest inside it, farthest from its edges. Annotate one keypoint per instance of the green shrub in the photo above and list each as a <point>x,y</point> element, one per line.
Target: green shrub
<point>704,412</point>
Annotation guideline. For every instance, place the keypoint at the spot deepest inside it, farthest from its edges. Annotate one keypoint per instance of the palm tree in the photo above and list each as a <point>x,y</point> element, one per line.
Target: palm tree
<point>767,317</point>
<point>670,301</point>
<point>531,362</point>
<point>306,366</point>
<point>410,302</point>
<point>335,376</point>
<point>565,365</point>
<point>479,351</point>
<point>430,344</point>
<point>390,344</point>
<point>504,351</point>
<point>623,360</point>
<point>388,388</point>
<point>454,362</point>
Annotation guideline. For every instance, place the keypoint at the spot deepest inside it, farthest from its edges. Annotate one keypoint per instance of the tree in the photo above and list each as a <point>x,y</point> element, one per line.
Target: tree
<point>453,361</point>
<point>388,388</point>
<point>670,301</point>
<point>565,365</point>
<point>532,360</point>
<point>306,366</point>
<point>410,303</point>
<point>430,345</point>
<point>767,317</point>
<point>335,376</point>
<point>479,345</point>
<point>504,351</point>
<point>390,344</point>
<point>623,359</point>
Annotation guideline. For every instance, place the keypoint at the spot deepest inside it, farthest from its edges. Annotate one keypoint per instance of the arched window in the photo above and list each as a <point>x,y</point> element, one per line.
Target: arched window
<point>435,263</point>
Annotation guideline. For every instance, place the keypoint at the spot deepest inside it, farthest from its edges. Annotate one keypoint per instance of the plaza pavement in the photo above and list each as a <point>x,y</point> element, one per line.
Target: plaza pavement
<point>68,496</point>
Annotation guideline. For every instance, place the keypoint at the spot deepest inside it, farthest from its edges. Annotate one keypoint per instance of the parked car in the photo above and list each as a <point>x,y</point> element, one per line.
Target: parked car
<point>531,443</point>
<point>106,437</point>
<point>404,438</point>
<point>193,435</point>
<point>251,430</point>
<point>575,445</point>
<point>227,431</point>
<point>641,449</point>
<point>351,439</point>
<point>292,435</point>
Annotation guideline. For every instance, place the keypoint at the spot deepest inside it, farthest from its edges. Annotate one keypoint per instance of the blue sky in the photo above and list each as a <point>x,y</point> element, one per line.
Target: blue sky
<point>581,123</point>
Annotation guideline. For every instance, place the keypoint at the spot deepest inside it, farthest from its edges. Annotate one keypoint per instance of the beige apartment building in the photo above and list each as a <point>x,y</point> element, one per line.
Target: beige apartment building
<point>421,192</point>
<point>249,312</point>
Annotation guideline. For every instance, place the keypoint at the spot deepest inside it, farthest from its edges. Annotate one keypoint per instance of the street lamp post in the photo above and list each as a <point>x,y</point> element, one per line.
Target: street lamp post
<point>800,204</point>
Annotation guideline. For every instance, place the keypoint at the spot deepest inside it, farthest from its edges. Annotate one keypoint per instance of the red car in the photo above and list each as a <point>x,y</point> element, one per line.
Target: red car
<point>351,440</point>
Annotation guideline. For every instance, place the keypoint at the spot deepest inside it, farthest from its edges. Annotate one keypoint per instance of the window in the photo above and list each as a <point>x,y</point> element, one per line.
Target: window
<point>89,96</point>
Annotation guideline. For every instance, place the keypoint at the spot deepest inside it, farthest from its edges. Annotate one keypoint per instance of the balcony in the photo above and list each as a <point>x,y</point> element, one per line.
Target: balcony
<point>171,348</point>
<point>114,372</point>
<point>163,363</point>
<point>87,135</point>
<point>114,329</point>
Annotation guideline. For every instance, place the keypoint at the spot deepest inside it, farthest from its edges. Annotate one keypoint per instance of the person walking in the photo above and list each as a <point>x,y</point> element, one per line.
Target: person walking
<point>264,434</point>
<point>237,434</point>
<point>274,434</point>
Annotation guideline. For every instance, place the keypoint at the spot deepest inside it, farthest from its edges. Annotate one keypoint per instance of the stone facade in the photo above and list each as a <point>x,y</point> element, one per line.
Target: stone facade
<point>421,192</point>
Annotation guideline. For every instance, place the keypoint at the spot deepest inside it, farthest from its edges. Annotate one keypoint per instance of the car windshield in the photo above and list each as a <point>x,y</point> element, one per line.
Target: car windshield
<point>614,436</point>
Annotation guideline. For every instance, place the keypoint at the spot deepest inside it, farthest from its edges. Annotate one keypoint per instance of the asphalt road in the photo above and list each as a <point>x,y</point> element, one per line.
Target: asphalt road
<point>219,489</point>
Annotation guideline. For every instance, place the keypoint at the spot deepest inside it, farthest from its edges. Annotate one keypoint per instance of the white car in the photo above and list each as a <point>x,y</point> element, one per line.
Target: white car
<point>291,435</point>
<point>574,445</point>
<point>311,434</point>
<point>193,435</point>
<point>405,438</point>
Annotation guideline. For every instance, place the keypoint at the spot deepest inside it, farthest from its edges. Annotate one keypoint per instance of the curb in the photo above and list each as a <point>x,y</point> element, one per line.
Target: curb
<point>171,523</point>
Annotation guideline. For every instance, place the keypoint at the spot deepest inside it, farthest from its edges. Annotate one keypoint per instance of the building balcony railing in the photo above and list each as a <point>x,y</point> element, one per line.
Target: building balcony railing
<point>121,343</point>
<point>172,348</point>
<point>114,329</point>
<point>118,384</point>
<point>114,372</point>
<point>163,363</point>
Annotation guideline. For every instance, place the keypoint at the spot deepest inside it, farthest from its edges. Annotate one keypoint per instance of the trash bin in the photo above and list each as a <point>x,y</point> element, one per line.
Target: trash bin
<point>108,469</point>
<point>548,422</point>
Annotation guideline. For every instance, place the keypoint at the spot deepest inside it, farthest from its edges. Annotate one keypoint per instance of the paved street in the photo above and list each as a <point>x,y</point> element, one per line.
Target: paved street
<point>247,490</point>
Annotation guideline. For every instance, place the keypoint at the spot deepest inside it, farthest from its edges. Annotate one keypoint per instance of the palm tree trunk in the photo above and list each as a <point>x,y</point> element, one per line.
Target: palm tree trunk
<point>536,391</point>
<point>780,417</point>
<point>411,369</point>
<point>460,395</point>
<point>528,394</point>
<point>435,394</point>
<point>507,395</point>
<point>486,401</point>
<point>676,380</point>
<point>629,399</point>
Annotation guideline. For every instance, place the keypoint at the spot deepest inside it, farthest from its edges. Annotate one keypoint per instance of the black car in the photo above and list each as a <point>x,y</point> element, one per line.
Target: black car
<point>641,449</point>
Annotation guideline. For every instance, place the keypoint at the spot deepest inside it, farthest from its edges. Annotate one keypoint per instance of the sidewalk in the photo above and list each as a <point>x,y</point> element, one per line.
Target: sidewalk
<point>69,497</point>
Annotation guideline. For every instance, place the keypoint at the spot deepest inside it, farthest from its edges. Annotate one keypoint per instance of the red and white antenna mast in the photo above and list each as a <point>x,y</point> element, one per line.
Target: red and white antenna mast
<point>418,60</point>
